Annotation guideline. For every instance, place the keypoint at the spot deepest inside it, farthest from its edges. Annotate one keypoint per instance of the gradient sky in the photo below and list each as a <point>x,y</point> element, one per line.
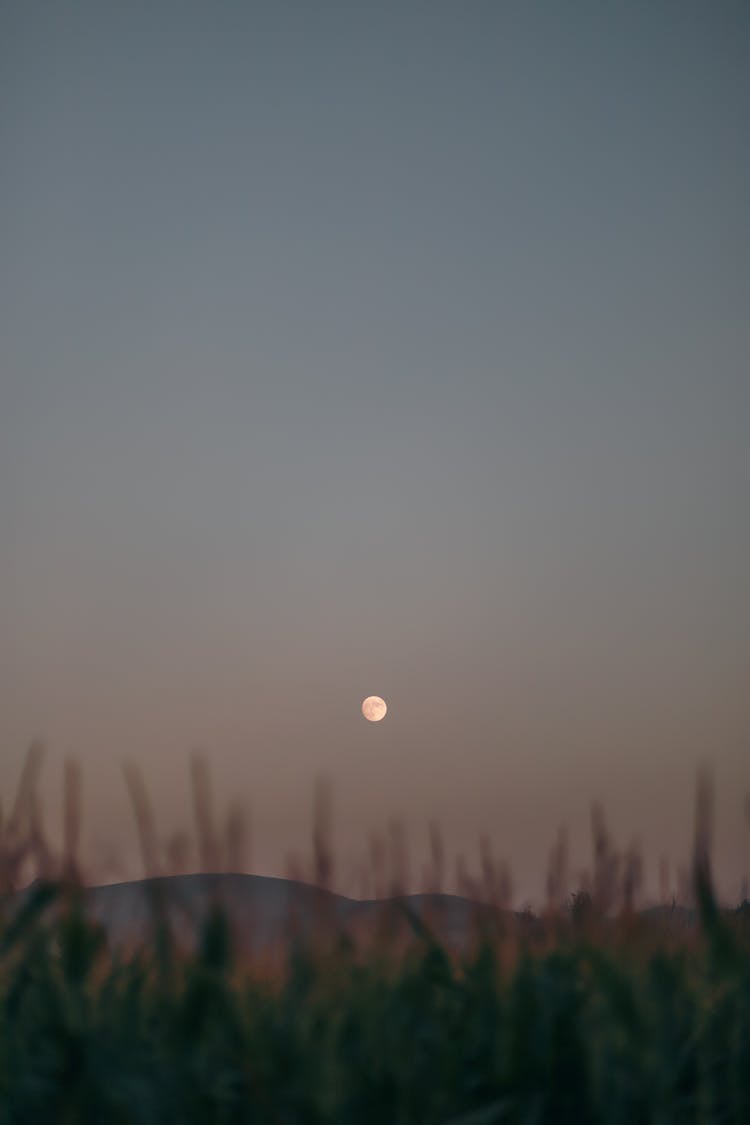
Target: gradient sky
<point>396,348</point>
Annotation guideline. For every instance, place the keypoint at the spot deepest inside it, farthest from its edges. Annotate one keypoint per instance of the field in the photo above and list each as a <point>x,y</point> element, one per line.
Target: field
<point>588,1012</point>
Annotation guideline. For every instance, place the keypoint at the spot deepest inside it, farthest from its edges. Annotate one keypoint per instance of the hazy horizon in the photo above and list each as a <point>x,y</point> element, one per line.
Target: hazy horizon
<point>353,349</point>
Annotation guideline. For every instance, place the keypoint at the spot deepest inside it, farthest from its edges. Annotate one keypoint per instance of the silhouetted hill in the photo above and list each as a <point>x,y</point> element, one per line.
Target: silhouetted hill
<point>268,913</point>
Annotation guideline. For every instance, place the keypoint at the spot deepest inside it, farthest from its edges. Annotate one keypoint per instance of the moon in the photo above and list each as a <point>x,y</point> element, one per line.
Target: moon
<point>374,708</point>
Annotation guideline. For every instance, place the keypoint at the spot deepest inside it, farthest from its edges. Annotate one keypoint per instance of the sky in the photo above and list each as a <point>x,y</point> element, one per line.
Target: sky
<point>394,349</point>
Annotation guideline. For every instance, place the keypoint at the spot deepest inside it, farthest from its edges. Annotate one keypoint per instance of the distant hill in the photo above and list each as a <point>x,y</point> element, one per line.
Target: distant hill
<point>267,914</point>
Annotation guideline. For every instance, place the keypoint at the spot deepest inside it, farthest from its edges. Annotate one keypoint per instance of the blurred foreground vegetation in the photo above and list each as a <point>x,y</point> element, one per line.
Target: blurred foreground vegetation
<point>593,1011</point>
<point>576,1024</point>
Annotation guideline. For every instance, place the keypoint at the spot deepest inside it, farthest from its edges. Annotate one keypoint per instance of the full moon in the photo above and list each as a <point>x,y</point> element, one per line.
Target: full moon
<point>374,708</point>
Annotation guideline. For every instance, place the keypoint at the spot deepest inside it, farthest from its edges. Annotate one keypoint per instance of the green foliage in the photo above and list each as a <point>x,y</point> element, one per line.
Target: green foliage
<point>581,1028</point>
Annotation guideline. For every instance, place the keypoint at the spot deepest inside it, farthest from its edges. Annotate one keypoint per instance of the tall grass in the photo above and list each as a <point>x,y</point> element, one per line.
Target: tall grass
<point>592,1013</point>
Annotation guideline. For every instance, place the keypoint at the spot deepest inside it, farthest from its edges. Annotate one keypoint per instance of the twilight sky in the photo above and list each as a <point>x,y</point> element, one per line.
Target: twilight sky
<point>396,348</point>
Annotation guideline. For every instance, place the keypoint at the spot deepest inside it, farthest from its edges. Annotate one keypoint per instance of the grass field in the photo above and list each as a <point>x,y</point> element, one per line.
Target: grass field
<point>582,1014</point>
